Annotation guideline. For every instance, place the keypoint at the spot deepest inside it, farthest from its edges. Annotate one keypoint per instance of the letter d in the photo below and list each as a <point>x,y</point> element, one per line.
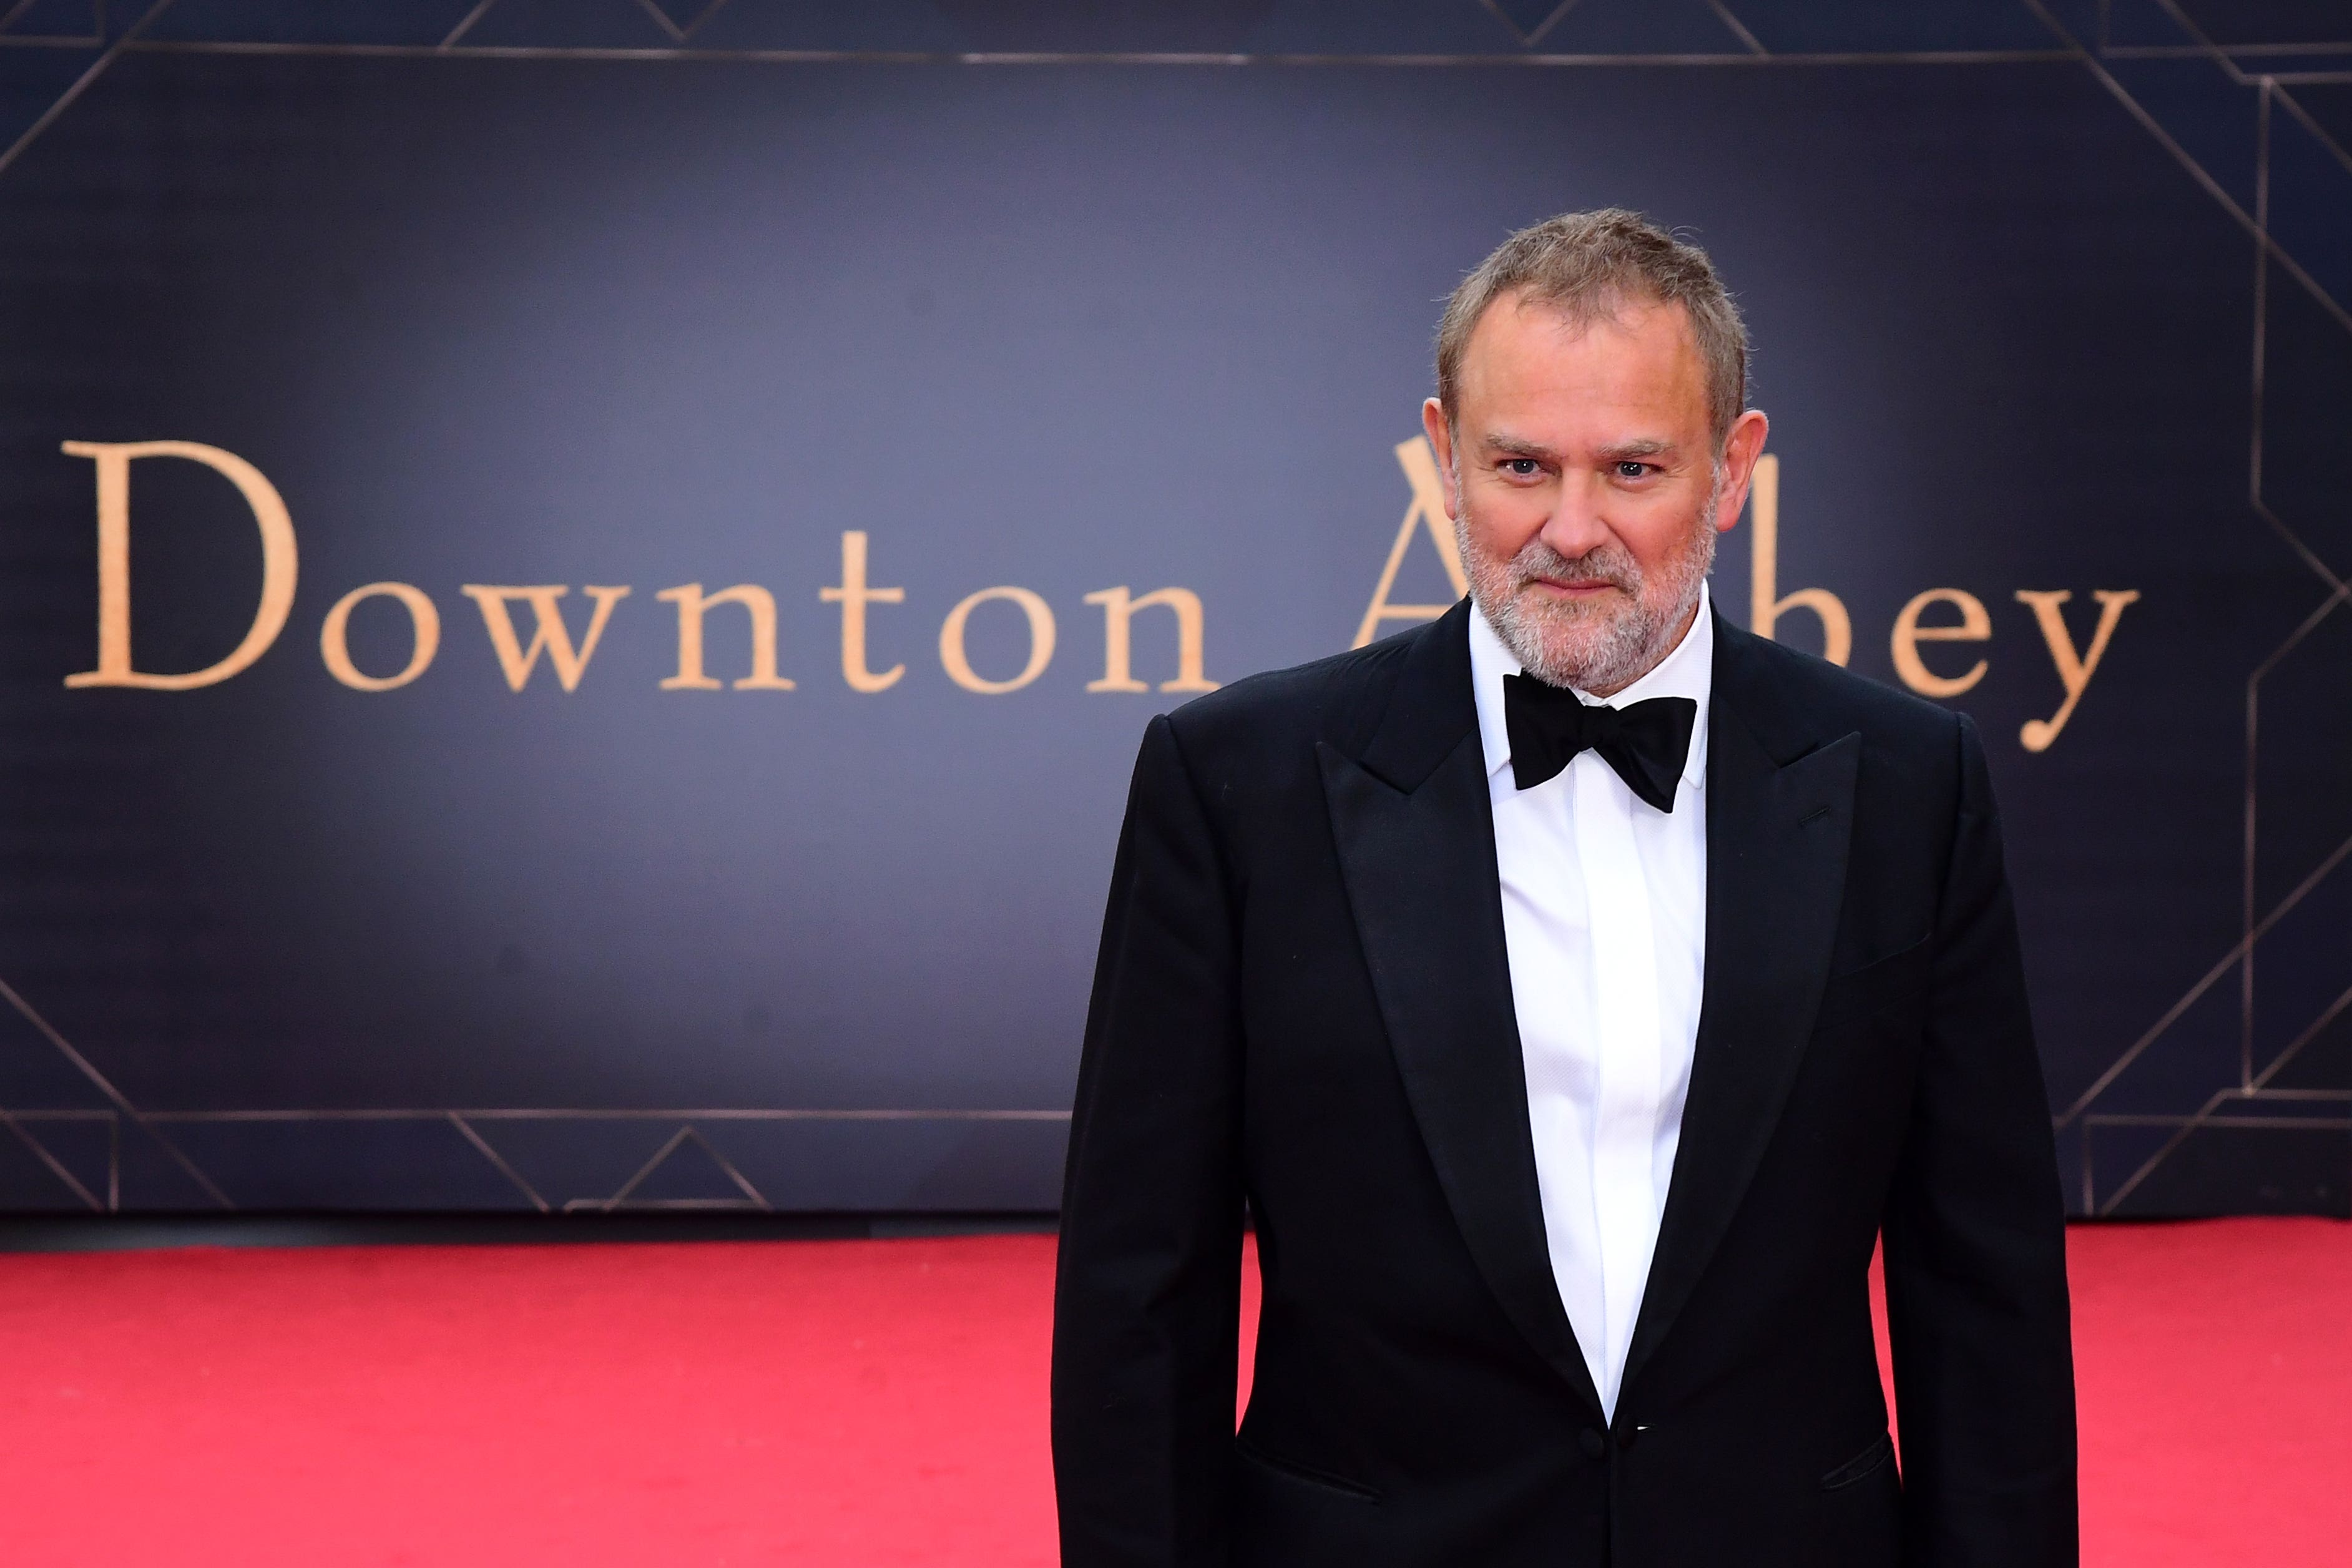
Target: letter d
<point>113,460</point>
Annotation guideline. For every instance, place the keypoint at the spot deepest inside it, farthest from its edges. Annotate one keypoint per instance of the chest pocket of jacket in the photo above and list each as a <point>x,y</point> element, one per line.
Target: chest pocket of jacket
<point>1882,986</point>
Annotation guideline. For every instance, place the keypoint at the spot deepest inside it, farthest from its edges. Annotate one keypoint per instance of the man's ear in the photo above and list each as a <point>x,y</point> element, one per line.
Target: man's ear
<point>1741,447</point>
<point>1441,446</point>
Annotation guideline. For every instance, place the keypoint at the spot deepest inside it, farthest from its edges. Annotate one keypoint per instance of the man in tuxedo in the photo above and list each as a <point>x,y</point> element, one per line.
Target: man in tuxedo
<point>1574,990</point>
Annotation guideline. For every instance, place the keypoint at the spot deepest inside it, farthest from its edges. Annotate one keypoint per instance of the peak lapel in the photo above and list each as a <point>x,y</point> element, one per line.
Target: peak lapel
<point>1779,814</point>
<point>1416,840</point>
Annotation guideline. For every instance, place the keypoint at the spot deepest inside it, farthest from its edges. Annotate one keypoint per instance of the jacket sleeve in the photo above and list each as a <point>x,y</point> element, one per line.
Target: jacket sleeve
<point>1975,1243</point>
<point>1145,1302</point>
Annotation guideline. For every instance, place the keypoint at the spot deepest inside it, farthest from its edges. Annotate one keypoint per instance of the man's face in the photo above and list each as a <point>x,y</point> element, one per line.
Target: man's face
<point>1584,484</point>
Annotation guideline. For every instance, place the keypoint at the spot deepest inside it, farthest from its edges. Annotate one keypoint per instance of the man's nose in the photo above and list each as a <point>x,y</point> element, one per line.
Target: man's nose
<point>1577,526</point>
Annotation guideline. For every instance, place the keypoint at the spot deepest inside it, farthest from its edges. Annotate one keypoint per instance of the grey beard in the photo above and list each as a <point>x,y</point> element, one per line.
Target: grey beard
<point>1598,647</point>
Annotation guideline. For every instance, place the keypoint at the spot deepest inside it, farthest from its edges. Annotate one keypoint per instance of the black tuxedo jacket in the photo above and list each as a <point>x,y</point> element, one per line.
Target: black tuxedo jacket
<point>1304,1001</point>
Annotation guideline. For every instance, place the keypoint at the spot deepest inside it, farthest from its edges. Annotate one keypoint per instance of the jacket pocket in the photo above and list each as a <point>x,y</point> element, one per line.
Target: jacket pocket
<point>1862,1466</point>
<point>1306,1475</point>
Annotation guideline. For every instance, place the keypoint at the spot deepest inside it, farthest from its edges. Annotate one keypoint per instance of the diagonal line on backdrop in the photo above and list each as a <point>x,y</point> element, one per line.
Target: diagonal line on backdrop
<point>2203,43</point>
<point>661,19</point>
<point>466,24</point>
<point>81,84</point>
<point>2205,1117</point>
<point>2228,961</point>
<point>685,1134</point>
<point>705,14</point>
<point>495,1158</point>
<point>2303,552</point>
<point>2310,624</point>
<point>40,1152</point>
<point>679,33</point>
<point>2195,170</point>
<point>2220,57</point>
<point>2242,953</point>
<point>2303,117</point>
<point>1740,29</point>
<point>2334,1010</point>
<point>2252,805</point>
<point>733,1174</point>
<point>1530,40</point>
<point>2227,58</point>
<point>105,1086</point>
<point>647,1169</point>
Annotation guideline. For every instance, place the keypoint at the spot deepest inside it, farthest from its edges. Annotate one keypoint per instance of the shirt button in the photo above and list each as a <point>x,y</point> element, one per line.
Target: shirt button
<point>1593,1443</point>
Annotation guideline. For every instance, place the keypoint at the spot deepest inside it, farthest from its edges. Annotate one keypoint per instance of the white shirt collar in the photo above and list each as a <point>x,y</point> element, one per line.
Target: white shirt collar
<point>1688,670</point>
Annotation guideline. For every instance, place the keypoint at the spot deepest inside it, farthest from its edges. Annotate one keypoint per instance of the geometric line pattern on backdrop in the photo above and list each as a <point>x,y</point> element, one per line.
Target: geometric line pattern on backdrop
<point>107,55</point>
<point>469,1124</point>
<point>2268,71</point>
<point>1529,37</point>
<point>105,1086</point>
<point>2255,1088</point>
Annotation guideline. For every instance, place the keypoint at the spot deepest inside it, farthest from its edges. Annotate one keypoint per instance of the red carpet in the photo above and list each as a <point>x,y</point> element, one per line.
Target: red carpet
<point>874,1402</point>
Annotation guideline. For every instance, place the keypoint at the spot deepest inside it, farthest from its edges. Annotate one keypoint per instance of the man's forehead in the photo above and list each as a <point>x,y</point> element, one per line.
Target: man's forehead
<point>1530,353</point>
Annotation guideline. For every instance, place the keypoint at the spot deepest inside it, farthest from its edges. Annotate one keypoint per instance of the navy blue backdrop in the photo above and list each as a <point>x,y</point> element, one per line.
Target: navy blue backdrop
<point>1037,303</point>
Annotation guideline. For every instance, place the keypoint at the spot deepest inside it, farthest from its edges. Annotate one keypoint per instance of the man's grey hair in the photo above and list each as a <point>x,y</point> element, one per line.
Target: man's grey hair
<point>1592,266</point>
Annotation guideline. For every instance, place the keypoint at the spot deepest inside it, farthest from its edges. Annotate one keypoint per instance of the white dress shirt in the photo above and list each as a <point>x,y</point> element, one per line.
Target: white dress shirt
<point>1604,916</point>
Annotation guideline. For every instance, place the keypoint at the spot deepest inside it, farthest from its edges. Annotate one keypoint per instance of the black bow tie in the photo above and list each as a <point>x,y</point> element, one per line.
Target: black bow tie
<point>1645,741</point>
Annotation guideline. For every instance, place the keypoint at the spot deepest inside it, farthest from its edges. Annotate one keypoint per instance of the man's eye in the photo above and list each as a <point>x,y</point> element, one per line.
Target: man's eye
<point>1521,468</point>
<point>1630,469</point>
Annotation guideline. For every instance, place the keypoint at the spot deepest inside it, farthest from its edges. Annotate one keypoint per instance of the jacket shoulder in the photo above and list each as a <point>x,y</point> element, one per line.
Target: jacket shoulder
<point>1338,698</point>
<point>1811,702</point>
